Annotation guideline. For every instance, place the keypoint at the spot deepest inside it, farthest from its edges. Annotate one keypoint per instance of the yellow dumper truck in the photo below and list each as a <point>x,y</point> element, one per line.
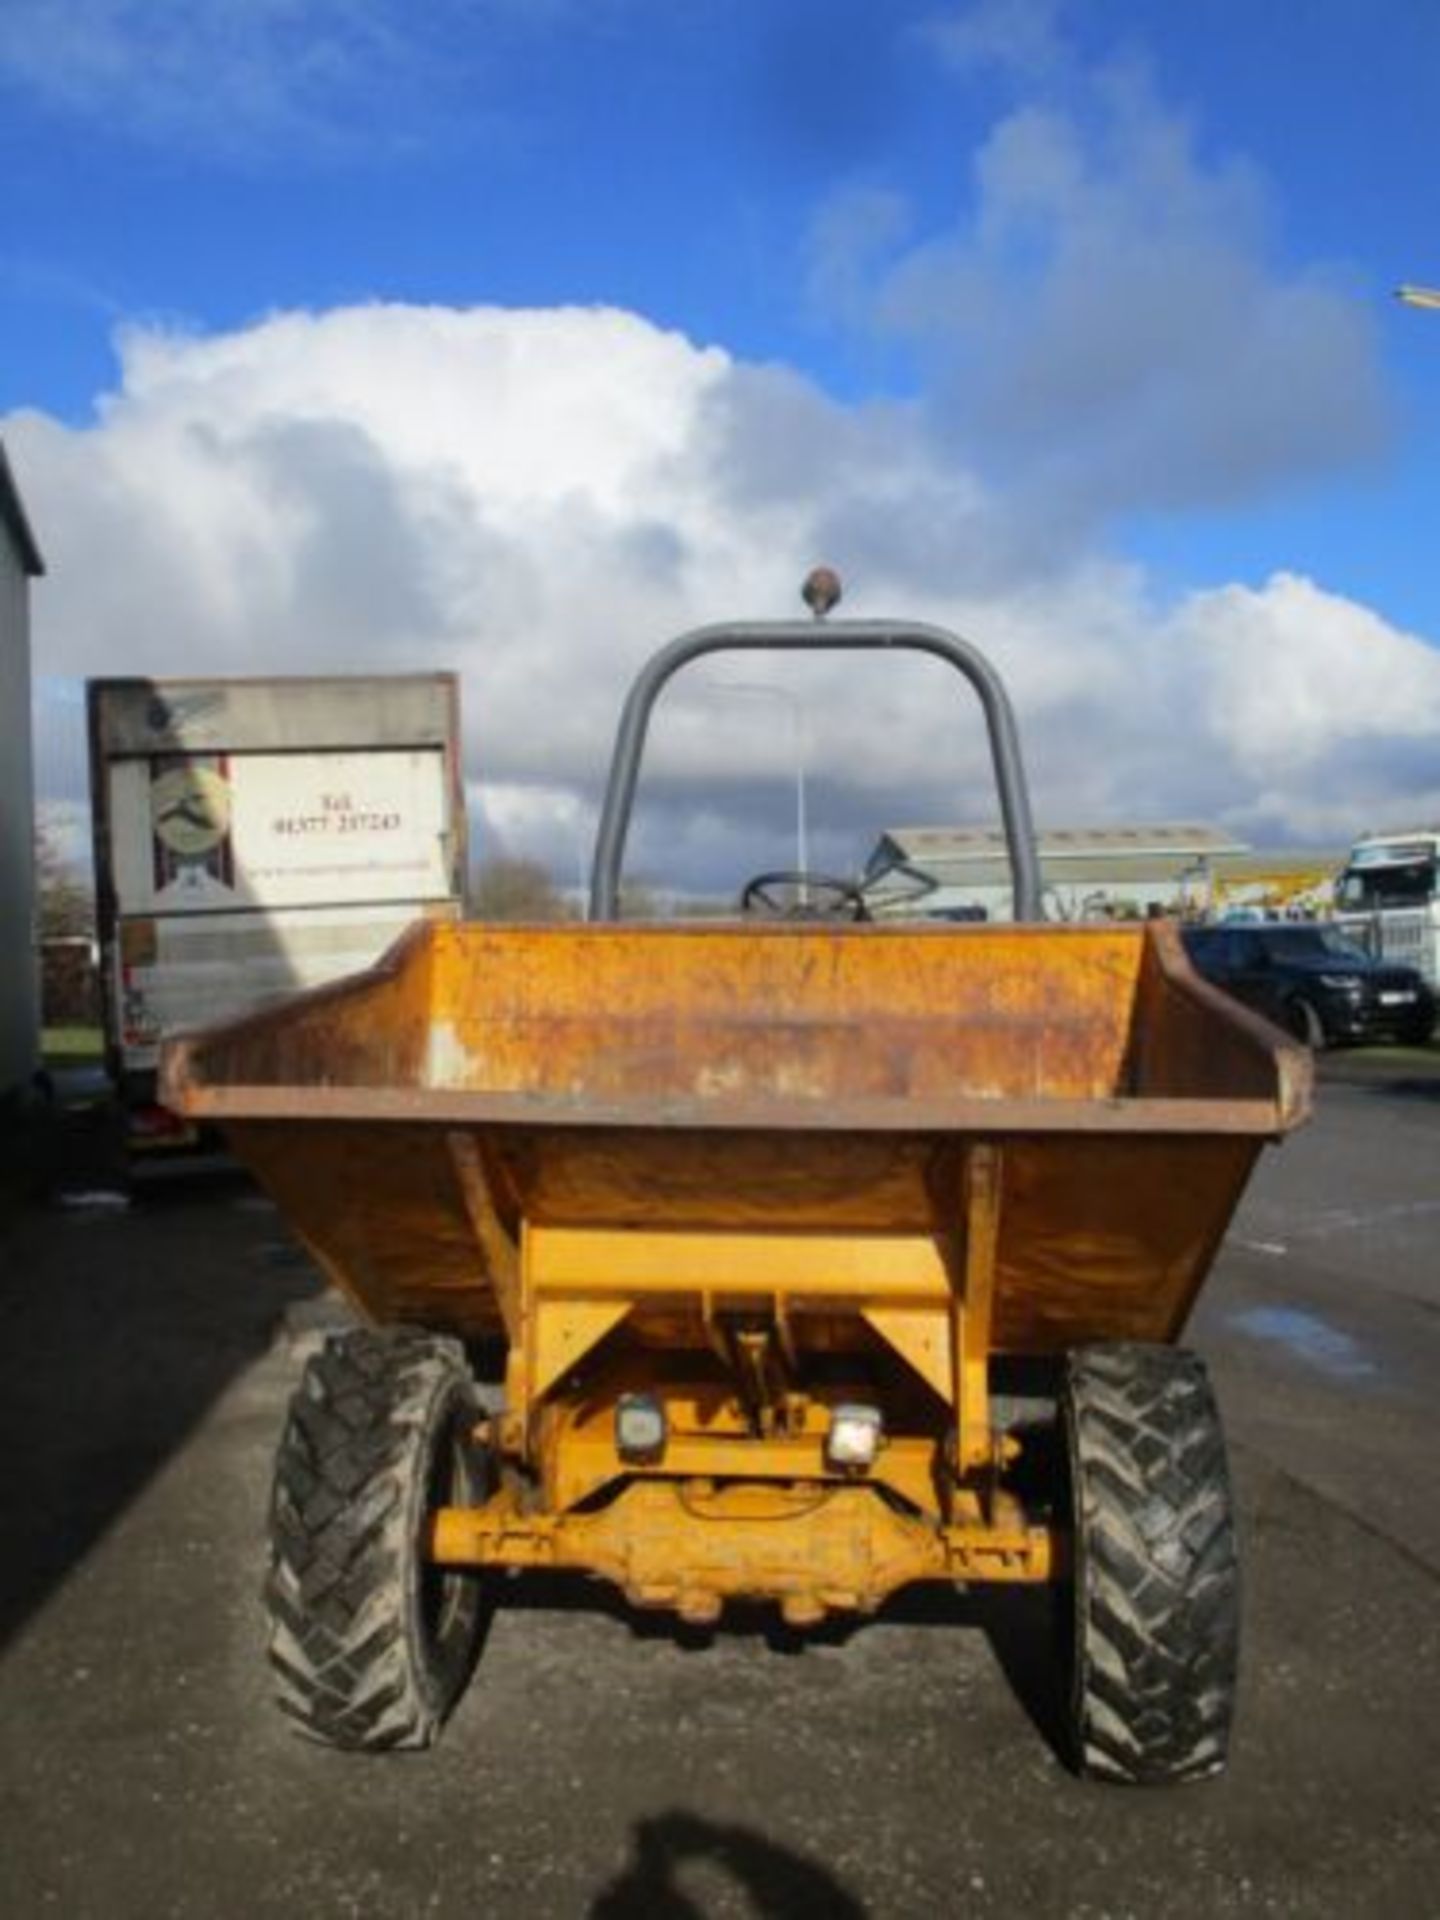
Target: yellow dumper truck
<point>778,1232</point>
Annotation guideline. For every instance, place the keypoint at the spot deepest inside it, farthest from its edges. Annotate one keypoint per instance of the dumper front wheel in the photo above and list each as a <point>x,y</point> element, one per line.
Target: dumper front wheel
<point>369,1643</point>
<point>1156,1581</point>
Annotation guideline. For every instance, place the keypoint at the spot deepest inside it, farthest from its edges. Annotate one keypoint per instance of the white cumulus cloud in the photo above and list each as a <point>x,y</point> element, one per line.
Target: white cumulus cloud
<point>540,498</point>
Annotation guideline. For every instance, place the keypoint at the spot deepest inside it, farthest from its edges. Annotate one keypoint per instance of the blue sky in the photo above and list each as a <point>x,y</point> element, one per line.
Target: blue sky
<point>1106,286</point>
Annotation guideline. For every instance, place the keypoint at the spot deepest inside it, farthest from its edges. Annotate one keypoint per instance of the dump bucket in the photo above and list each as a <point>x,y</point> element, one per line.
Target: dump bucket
<point>655,1115</point>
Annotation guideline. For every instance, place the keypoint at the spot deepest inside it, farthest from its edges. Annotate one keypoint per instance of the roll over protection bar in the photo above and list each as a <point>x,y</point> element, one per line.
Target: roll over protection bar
<point>814,636</point>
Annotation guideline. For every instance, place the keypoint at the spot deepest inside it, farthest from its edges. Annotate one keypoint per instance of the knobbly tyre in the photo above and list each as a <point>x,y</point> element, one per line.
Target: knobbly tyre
<point>777,1232</point>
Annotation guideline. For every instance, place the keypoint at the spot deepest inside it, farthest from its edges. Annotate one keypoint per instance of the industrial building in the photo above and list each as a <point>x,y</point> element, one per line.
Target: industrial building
<point>20,563</point>
<point>1092,872</point>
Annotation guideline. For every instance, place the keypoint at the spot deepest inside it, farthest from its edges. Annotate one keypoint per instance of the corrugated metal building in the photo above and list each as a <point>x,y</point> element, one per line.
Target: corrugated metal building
<point>20,563</point>
<point>1087,870</point>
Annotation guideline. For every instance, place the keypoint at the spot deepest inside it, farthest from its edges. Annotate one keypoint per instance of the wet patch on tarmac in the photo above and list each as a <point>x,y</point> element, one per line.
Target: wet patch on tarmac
<point>1309,1338</point>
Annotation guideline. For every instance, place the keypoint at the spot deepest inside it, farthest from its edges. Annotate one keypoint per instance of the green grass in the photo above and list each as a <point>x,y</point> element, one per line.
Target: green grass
<point>1381,1063</point>
<point>71,1046</point>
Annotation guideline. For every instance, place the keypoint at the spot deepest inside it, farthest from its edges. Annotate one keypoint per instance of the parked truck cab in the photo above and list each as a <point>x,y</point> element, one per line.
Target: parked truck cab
<point>1386,898</point>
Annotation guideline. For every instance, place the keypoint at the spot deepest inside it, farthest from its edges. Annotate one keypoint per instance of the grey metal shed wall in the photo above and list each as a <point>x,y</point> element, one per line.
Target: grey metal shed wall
<point>19,984</point>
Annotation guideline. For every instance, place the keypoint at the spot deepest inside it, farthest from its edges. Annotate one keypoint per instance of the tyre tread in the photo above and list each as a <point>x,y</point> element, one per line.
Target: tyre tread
<point>1157,1578</point>
<point>343,1666</point>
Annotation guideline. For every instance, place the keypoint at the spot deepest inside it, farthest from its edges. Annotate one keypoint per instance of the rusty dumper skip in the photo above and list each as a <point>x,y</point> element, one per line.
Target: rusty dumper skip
<point>779,1232</point>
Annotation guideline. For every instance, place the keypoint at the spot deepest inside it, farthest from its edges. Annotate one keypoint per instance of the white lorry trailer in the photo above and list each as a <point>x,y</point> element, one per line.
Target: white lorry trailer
<point>257,836</point>
<point>1388,898</point>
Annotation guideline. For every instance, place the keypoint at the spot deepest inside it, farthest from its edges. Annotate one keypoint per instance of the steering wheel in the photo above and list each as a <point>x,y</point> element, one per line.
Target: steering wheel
<point>792,895</point>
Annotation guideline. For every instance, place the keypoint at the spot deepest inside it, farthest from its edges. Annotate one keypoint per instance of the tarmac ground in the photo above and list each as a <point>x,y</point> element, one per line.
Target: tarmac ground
<point>610,1764</point>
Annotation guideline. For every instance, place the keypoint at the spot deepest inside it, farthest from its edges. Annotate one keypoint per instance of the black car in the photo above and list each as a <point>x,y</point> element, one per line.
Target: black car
<point>1314,981</point>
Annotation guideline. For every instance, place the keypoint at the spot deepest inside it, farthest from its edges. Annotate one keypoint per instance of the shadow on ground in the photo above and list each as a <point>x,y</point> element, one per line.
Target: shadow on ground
<point>120,1326</point>
<point>1022,1625</point>
<point>1409,1073</point>
<point>780,1884</point>
<point>1402,1088</point>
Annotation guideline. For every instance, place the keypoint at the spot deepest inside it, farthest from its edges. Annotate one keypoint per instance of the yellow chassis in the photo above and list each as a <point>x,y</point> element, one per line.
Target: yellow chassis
<point>691,1545</point>
<point>744,1503</point>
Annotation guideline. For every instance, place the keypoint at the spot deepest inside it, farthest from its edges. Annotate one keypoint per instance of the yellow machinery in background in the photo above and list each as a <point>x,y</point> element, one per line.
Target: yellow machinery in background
<point>811,1258</point>
<point>1279,889</point>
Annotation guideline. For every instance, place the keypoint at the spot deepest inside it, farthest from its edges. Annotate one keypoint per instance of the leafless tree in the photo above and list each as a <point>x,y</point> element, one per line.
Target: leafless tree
<point>504,889</point>
<point>64,899</point>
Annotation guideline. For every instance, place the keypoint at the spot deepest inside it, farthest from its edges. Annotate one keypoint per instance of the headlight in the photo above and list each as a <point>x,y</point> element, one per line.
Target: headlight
<point>639,1429</point>
<point>1341,982</point>
<point>854,1438</point>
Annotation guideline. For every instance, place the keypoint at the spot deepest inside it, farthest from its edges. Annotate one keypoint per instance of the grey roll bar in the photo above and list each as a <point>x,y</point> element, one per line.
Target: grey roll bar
<point>815,636</point>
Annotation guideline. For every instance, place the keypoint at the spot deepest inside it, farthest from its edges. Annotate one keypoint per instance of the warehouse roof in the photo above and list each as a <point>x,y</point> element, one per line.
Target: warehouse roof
<point>12,516</point>
<point>929,847</point>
